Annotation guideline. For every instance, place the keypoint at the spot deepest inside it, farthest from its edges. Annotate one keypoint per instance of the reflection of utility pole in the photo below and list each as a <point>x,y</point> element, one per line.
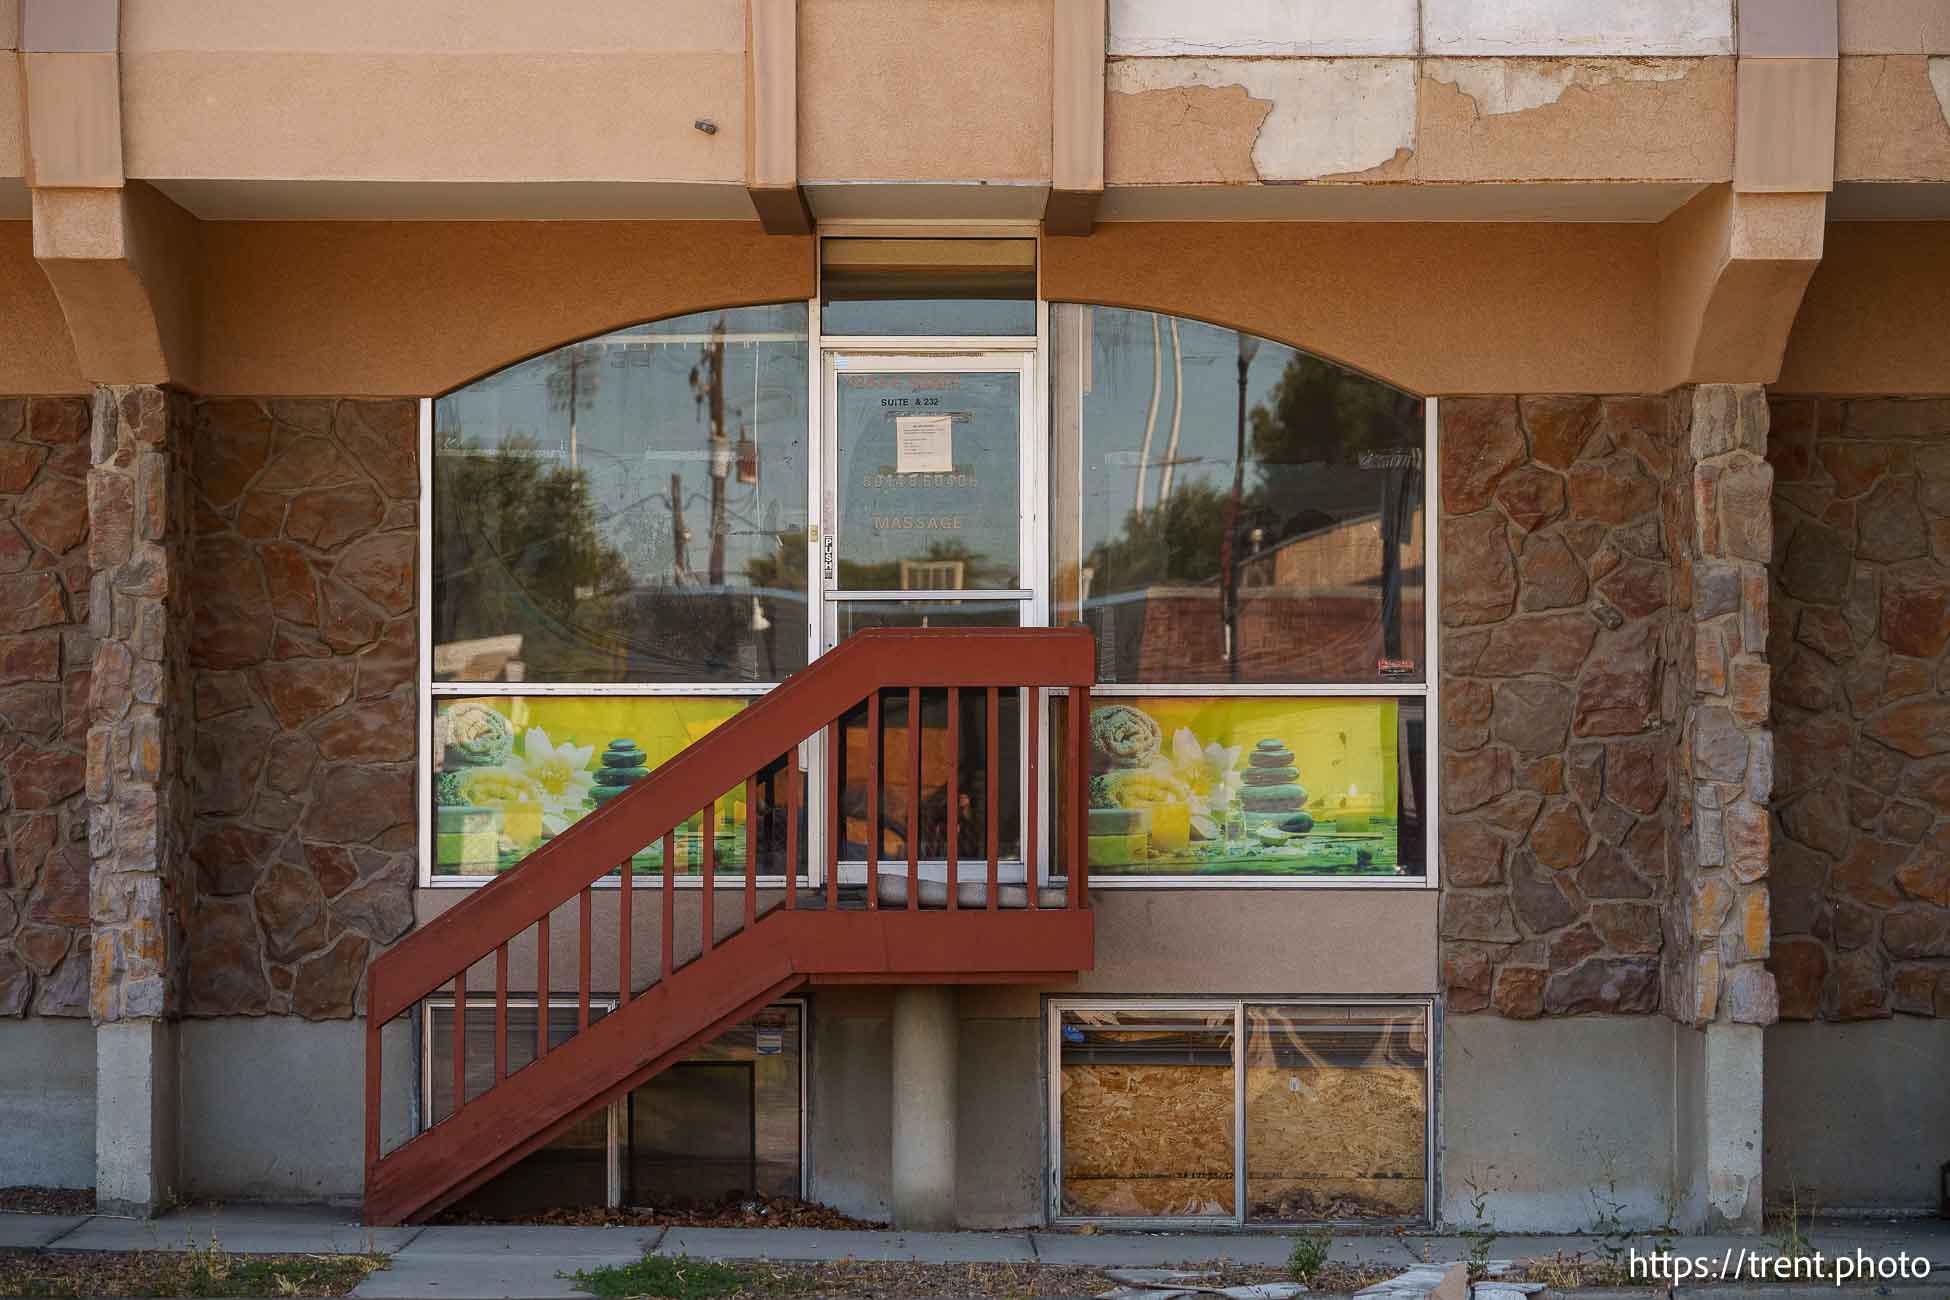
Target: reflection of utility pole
<point>679,564</point>
<point>575,379</point>
<point>1228,546</point>
<point>707,383</point>
<point>1171,461</point>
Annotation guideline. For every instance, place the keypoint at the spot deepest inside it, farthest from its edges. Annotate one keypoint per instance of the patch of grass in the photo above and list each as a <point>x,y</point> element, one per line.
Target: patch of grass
<point>193,1273</point>
<point>678,1277</point>
<point>1309,1256</point>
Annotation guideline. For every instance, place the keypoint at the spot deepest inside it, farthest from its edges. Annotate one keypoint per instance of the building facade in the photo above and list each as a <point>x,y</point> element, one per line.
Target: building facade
<point>1499,453</point>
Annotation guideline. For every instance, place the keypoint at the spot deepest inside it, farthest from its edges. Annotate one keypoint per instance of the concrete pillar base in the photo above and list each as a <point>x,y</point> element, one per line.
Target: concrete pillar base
<point>135,1117</point>
<point>924,1106</point>
<point>1724,1080</point>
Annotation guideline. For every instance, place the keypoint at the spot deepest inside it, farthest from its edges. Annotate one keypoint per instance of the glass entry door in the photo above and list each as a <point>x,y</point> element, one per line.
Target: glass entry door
<point>929,517</point>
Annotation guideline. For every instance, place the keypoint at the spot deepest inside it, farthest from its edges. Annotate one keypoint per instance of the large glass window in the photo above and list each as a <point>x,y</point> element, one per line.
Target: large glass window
<point>1241,525</point>
<point>627,514</point>
<point>723,1124</point>
<point>513,771</point>
<point>1241,1111</point>
<point>1234,510</point>
<point>631,508</point>
<point>1274,786</point>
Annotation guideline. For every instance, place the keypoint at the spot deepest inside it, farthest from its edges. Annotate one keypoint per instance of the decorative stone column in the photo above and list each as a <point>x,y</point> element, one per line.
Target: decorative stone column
<point>1720,523</point>
<point>140,721</point>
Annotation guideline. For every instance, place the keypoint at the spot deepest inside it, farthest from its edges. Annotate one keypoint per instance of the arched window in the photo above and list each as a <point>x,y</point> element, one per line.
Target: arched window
<point>628,509</point>
<point>1242,526</point>
<point>624,516</point>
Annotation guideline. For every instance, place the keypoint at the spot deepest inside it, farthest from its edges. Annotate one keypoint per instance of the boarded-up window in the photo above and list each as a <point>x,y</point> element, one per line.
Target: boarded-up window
<point>1147,1105</point>
<point>1332,1102</point>
<point>1336,1113</point>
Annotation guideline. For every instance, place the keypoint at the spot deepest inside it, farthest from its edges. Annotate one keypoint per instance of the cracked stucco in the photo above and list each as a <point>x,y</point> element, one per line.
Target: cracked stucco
<point>1327,116</point>
<point>1499,86</point>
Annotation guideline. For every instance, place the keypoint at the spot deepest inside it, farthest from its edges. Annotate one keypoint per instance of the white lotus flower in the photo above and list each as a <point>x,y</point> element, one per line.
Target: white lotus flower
<point>562,774</point>
<point>1210,772</point>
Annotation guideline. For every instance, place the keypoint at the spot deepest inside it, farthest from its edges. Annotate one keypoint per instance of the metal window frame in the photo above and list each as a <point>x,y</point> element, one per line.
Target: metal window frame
<point>1038,393</point>
<point>1426,689</point>
<point>423,1077</point>
<point>430,690</point>
<point>1053,1009</point>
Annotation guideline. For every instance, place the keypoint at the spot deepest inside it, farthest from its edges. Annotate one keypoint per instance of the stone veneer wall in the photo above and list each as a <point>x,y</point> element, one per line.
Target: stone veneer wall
<point>46,655</point>
<point>1556,733</point>
<point>304,654</point>
<point>1860,625</point>
<point>140,805</point>
<point>1719,532</point>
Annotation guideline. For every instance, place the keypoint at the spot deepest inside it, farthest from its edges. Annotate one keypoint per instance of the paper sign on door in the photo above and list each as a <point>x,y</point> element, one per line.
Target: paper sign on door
<point>924,444</point>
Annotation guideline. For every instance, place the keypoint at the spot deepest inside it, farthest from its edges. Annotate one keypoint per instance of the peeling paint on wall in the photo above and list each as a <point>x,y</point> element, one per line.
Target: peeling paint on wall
<point>1940,83</point>
<point>1183,135</point>
<point>1499,86</point>
<point>1328,116</point>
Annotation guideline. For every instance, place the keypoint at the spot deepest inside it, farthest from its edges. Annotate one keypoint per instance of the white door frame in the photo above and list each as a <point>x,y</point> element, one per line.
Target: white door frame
<point>1026,357</point>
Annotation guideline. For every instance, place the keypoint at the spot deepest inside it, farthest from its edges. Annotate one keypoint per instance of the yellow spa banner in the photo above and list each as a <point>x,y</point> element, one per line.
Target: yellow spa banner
<point>512,771</point>
<point>1261,785</point>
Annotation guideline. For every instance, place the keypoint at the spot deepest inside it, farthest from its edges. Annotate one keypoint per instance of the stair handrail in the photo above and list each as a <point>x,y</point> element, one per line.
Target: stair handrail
<point>426,960</point>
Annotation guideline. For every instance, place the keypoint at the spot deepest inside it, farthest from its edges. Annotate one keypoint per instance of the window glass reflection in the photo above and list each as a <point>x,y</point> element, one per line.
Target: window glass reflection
<point>1231,509</point>
<point>631,508</point>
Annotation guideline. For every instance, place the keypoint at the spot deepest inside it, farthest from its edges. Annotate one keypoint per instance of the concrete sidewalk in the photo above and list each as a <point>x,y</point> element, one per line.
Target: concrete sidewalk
<point>521,1261</point>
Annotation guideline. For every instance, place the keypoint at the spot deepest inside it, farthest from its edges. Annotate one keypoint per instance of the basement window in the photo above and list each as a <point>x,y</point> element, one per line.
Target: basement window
<point>723,1126</point>
<point>1240,1112</point>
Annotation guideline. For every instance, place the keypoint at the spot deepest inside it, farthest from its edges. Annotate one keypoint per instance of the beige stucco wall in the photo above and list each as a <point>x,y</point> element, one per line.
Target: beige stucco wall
<point>502,90</point>
<point>1245,120</point>
<point>953,90</point>
<point>37,355</point>
<point>13,141</point>
<point>1892,118</point>
<point>1876,317</point>
<point>1452,308</point>
<point>1354,942</point>
<point>415,308</point>
<point>1894,26</point>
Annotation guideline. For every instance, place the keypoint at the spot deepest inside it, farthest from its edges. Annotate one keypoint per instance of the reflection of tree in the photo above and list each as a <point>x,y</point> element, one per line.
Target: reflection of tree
<point>1316,414</point>
<point>1174,542</point>
<point>521,552</point>
<point>782,570</point>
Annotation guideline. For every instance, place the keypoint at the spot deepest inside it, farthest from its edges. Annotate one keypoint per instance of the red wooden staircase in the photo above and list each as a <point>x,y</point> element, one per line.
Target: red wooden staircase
<point>891,930</point>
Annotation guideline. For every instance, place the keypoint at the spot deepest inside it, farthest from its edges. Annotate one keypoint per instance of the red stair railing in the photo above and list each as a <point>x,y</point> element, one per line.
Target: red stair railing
<point>757,749</point>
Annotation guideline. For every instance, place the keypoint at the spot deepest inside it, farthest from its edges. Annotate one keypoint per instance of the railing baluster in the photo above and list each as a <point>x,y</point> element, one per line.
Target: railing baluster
<point>708,847</point>
<point>751,851</point>
<point>626,928</point>
<point>460,1041</point>
<point>913,798</point>
<point>670,903</point>
<point>1079,792</point>
<point>501,1013</point>
<point>991,799</point>
<point>582,961</point>
<point>541,986</point>
<point>1033,697</point>
<point>792,804</point>
<point>954,794</point>
<point>833,740</point>
<point>876,730</point>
